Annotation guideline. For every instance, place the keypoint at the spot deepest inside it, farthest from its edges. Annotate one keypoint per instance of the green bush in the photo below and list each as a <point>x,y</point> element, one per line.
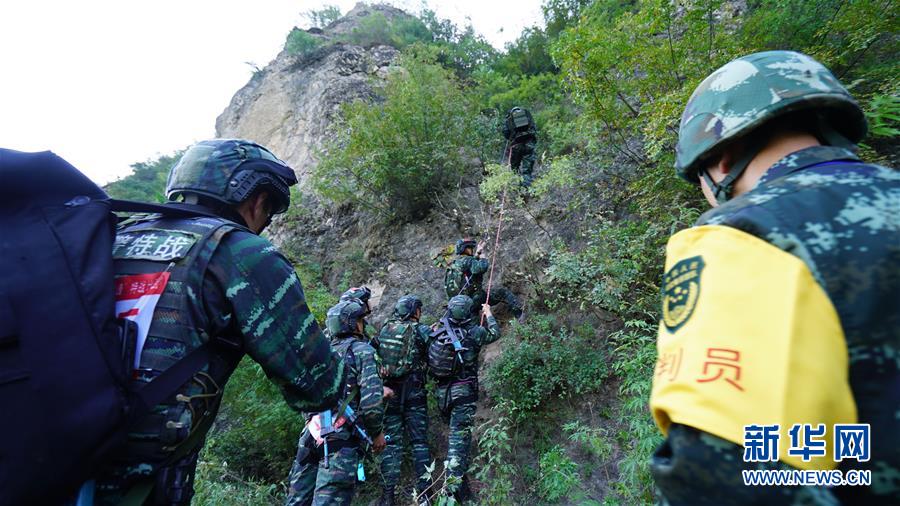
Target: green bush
<point>300,42</point>
<point>147,181</point>
<point>559,474</point>
<point>394,156</point>
<point>377,29</point>
<point>541,362</point>
<point>321,18</point>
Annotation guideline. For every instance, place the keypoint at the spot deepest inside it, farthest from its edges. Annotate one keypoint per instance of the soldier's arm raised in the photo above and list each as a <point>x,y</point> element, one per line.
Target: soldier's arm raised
<point>493,328</point>
<point>269,310</point>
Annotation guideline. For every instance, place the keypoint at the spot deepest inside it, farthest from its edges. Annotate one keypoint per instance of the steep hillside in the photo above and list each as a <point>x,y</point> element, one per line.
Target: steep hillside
<point>563,415</point>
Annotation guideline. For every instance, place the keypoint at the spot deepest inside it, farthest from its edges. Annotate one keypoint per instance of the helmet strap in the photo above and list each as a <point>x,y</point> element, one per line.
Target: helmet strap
<point>724,189</point>
<point>832,137</point>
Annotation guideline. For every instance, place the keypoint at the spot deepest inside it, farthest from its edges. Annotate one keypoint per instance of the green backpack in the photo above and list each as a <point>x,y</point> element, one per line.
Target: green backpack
<point>395,348</point>
<point>455,280</point>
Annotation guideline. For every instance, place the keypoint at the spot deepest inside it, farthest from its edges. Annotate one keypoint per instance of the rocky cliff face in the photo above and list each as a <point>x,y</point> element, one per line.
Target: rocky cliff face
<point>290,106</point>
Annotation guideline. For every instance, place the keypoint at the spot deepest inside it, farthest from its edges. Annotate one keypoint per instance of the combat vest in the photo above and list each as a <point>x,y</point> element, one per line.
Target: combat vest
<point>822,227</point>
<point>146,252</point>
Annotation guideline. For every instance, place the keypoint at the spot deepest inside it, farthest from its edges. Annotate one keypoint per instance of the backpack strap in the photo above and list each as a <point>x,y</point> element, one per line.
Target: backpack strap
<point>176,209</point>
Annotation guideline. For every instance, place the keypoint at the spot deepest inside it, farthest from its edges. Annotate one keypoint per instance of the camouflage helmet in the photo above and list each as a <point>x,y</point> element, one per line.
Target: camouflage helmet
<point>749,91</point>
<point>460,307</point>
<point>343,317</point>
<point>229,171</point>
<point>462,244</point>
<point>360,294</point>
<point>406,306</point>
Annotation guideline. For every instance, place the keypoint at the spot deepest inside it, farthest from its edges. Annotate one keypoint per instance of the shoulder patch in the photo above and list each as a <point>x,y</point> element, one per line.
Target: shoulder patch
<point>680,291</point>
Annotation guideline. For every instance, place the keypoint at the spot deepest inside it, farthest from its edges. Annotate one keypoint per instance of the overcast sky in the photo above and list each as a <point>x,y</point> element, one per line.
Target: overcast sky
<point>106,84</point>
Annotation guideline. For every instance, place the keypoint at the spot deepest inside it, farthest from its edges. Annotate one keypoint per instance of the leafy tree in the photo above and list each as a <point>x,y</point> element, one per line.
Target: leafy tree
<point>321,18</point>
<point>377,29</point>
<point>147,181</point>
<point>301,42</point>
<point>395,155</point>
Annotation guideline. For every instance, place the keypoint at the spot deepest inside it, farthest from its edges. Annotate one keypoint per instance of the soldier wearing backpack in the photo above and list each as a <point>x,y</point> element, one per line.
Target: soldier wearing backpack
<point>401,346</point>
<point>210,282</point>
<point>521,140</point>
<point>465,276</point>
<point>453,363</point>
<point>330,450</point>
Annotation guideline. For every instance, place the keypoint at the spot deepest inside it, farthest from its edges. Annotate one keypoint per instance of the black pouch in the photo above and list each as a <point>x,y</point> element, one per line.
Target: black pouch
<point>128,331</point>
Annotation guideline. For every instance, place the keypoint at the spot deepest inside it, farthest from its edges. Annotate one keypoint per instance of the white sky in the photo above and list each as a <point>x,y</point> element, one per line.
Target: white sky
<point>107,83</point>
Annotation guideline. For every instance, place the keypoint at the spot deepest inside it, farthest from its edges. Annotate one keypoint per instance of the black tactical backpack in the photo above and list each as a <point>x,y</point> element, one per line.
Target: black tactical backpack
<point>445,351</point>
<point>519,120</point>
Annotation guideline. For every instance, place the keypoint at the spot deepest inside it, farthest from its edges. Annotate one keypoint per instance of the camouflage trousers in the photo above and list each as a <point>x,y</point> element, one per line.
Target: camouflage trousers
<point>406,414</point>
<point>456,401</point>
<point>521,159</point>
<point>498,294</point>
<point>311,483</point>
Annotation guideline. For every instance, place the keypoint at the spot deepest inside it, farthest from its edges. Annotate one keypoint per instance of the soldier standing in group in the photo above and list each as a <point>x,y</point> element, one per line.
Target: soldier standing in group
<point>331,446</point>
<point>521,142</point>
<point>465,276</point>
<point>453,361</point>
<point>401,347</point>
<point>781,306</point>
<point>227,288</point>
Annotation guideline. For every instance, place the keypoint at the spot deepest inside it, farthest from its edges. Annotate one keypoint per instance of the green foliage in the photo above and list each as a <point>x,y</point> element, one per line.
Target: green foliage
<point>321,18</point>
<point>616,271</point>
<point>455,48</point>
<point>494,465</point>
<point>263,430</point>
<point>147,181</point>
<point>541,362</point>
<point>219,485</point>
<point>500,179</point>
<point>394,156</point>
<point>561,174</point>
<point>595,439</point>
<point>633,358</point>
<point>377,29</point>
<point>300,42</point>
<point>559,474</point>
<point>884,116</point>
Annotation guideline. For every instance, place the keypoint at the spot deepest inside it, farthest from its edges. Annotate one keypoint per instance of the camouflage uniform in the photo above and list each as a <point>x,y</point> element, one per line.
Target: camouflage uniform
<point>457,396</point>
<point>408,409</point>
<point>230,287</point>
<point>839,217</point>
<point>522,146</point>
<point>473,269</point>
<point>310,481</point>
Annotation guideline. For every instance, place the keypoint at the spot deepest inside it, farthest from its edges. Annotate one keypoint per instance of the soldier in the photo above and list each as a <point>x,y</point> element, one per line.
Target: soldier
<point>521,141</point>
<point>322,479</point>
<point>454,365</point>
<point>780,307</point>
<point>227,288</point>
<point>465,276</point>
<point>360,294</point>
<point>401,346</point>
